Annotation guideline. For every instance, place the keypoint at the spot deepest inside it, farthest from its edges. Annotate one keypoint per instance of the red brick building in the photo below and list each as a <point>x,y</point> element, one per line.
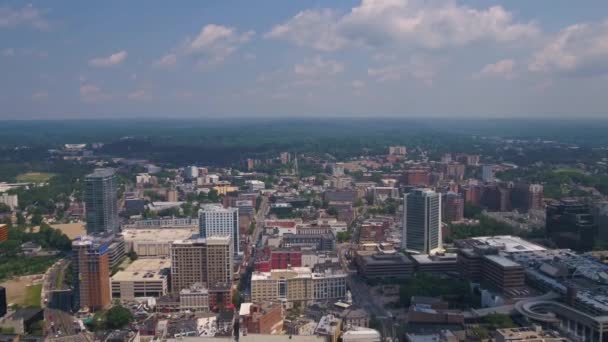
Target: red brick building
<point>280,259</point>
<point>417,177</point>
<point>3,232</point>
<point>264,318</point>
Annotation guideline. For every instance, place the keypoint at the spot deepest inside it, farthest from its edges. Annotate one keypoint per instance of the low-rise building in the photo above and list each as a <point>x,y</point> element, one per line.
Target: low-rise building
<point>384,266</point>
<point>194,299</point>
<point>439,264</point>
<point>297,285</point>
<point>265,318</point>
<point>142,278</point>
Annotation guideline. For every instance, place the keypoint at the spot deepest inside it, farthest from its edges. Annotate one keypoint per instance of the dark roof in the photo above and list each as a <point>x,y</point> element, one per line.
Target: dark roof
<point>26,313</point>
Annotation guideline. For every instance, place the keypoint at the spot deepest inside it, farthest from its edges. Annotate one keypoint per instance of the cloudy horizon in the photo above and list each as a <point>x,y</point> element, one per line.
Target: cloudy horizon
<point>366,58</point>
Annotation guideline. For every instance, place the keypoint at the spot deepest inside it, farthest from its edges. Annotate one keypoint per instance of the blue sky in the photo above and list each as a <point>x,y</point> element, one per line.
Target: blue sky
<point>367,58</point>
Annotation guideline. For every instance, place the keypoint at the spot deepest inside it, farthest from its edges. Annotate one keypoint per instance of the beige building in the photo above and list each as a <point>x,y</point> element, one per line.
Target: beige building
<point>206,261</point>
<point>154,243</point>
<point>297,284</point>
<point>194,299</point>
<point>142,278</point>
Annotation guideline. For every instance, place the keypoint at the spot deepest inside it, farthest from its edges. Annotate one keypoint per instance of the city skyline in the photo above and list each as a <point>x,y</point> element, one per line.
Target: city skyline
<point>355,58</point>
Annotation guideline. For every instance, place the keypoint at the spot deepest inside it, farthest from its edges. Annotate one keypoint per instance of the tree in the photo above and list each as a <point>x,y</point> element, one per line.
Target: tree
<point>20,219</point>
<point>343,236</point>
<point>4,208</point>
<point>36,219</point>
<point>332,211</point>
<point>118,317</point>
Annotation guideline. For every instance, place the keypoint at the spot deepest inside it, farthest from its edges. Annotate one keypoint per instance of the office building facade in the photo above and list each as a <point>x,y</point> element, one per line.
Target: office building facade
<point>205,261</point>
<point>215,220</point>
<point>101,200</point>
<point>91,270</point>
<point>422,222</point>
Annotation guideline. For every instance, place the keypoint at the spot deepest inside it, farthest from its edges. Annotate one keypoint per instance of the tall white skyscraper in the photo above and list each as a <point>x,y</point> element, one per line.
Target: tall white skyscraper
<point>422,222</point>
<point>215,220</point>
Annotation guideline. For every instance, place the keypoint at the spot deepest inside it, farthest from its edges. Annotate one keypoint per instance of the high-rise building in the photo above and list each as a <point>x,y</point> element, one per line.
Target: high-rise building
<point>101,200</point>
<point>422,222</point>
<point>285,158</point>
<point>525,196</point>
<point>215,220</point>
<point>207,261</point>
<point>91,271</point>
<point>191,172</point>
<point>12,201</point>
<point>487,173</point>
<point>453,207</point>
<point>571,224</point>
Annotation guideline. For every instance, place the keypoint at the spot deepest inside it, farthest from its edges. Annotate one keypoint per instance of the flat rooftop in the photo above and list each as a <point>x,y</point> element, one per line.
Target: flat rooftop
<point>509,243</point>
<point>158,235</point>
<point>502,261</point>
<point>434,259</point>
<point>143,270</point>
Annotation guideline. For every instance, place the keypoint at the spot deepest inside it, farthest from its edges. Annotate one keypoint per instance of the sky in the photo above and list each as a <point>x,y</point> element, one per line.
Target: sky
<point>277,58</point>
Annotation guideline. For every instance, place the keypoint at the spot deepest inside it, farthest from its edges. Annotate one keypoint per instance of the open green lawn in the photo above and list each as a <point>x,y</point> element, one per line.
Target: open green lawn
<point>568,170</point>
<point>34,177</point>
<point>32,295</point>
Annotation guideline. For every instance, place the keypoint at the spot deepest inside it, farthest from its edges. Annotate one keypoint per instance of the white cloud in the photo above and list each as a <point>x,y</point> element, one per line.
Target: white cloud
<point>377,23</point>
<point>417,67</point>
<point>578,49</point>
<point>211,46</point>
<point>316,29</point>
<point>504,68</point>
<point>92,93</point>
<point>139,94</point>
<point>318,67</point>
<point>215,43</point>
<point>40,95</point>
<point>109,61</point>
<point>167,60</point>
<point>28,16</point>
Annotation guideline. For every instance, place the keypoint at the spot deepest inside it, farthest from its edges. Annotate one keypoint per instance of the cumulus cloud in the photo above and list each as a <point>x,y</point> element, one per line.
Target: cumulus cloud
<point>28,16</point>
<point>580,49</point>
<point>109,61</point>
<point>376,23</point>
<point>211,46</point>
<point>167,60</point>
<point>310,28</point>
<point>504,68</point>
<point>318,67</point>
<point>90,92</point>
<point>417,67</point>
<point>139,94</point>
<point>215,43</point>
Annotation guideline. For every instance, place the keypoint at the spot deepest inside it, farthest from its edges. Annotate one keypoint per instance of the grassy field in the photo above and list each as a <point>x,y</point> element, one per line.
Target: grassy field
<point>32,295</point>
<point>34,177</point>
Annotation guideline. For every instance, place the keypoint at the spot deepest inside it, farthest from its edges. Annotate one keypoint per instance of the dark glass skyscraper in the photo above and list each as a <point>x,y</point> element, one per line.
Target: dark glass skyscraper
<point>422,222</point>
<point>101,202</point>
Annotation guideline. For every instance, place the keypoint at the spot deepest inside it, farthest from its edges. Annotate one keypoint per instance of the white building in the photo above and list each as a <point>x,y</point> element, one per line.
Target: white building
<point>142,278</point>
<point>12,201</point>
<point>215,220</point>
<point>487,173</point>
<point>422,222</point>
<point>212,179</point>
<point>255,185</point>
<point>143,178</point>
